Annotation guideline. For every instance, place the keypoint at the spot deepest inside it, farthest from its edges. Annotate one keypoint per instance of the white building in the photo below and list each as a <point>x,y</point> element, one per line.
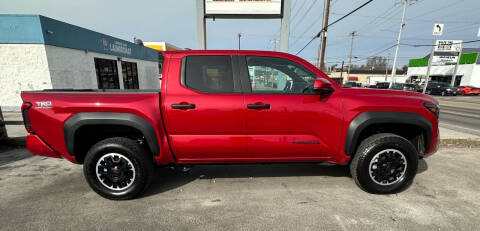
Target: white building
<point>38,53</point>
<point>468,72</point>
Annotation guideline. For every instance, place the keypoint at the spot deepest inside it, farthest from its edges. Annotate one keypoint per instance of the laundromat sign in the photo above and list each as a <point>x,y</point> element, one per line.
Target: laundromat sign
<point>116,46</point>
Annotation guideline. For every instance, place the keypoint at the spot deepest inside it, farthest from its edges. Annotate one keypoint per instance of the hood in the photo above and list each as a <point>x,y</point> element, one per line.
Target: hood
<point>388,93</point>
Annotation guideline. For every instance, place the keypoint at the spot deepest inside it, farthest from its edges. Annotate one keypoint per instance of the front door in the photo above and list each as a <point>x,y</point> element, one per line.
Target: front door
<point>285,119</point>
<point>205,117</point>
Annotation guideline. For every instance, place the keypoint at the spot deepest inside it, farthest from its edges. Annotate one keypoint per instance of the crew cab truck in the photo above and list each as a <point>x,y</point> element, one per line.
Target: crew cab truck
<point>228,106</point>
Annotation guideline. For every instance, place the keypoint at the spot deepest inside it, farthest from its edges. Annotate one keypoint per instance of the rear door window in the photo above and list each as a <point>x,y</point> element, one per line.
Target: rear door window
<point>209,74</point>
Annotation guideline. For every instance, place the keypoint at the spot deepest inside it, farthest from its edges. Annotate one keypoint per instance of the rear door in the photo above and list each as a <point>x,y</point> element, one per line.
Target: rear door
<point>285,120</point>
<point>205,117</point>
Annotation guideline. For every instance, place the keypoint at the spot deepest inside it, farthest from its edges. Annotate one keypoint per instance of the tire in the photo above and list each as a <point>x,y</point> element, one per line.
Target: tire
<point>363,163</point>
<point>132,172</point>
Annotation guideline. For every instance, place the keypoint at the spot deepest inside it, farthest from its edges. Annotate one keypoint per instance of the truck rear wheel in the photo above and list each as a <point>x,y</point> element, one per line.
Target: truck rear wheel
<point>118,168</point>
<point>384,163</point>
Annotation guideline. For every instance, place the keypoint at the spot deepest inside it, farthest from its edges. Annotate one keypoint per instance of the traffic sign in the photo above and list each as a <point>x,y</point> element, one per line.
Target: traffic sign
<point>438,29</point>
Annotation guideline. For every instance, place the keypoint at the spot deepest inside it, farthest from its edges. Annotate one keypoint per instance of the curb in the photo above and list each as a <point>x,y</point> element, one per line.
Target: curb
<point>460,143</point>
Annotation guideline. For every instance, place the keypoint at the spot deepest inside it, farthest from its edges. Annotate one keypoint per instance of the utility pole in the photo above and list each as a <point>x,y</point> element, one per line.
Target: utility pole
<point>350,57</point>
<point>402,25</point>
<point>239,36</point>
<point>341,72</point>
<point>324,34</point>
<point>274,41</point>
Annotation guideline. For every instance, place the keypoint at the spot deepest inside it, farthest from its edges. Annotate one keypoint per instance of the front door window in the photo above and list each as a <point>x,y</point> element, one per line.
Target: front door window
<point>270,75</point>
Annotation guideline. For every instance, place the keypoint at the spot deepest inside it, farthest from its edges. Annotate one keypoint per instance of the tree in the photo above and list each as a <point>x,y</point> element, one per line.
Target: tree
<point>377,62</point>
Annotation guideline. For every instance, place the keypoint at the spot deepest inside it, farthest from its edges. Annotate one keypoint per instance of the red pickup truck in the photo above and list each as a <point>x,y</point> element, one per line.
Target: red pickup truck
<point>233,107</point>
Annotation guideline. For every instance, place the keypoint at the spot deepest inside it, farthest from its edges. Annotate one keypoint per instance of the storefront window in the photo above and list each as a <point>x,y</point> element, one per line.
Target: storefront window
<point>107,74</point>
<point>130,75</point>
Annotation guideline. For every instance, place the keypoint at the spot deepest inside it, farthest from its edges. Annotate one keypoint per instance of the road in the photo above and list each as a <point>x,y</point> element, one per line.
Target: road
<point>460,113</point>
<point>40,193</point>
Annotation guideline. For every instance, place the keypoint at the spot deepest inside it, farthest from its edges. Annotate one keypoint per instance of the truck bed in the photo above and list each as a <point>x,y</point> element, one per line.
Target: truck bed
<point>49,110</point>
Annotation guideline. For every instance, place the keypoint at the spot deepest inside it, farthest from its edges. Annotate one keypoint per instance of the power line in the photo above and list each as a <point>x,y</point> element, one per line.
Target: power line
<point>378,17</point>
<point>388,21</point>
<point>341,18</point>
<point>436,10</point>
<point>298,11</point>
<point>406,44</point>
<point>294,5</point>
<point>389,18</point>
<point>429,45</point>
<point>305,14</point>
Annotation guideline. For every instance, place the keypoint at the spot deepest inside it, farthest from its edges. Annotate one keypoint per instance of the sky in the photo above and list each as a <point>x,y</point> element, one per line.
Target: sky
<point>174,21</point>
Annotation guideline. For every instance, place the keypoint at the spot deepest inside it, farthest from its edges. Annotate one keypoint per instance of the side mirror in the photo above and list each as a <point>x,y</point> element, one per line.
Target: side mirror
<point>322,86</point>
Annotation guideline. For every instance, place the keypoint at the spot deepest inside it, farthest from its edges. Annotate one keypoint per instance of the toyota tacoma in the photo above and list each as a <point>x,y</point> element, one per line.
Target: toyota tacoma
<point>218,107</point>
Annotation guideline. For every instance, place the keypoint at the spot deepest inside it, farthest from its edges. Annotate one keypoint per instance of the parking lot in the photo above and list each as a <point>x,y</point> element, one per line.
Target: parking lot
<point>38,193</point>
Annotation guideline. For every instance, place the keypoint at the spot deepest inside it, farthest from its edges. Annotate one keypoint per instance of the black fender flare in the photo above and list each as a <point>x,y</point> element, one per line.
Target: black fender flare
<point>366,119</point>
<point>109,118</point>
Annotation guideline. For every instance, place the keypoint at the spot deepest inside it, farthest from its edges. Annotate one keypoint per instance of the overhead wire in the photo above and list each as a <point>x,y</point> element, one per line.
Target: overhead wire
<point>336,21</point>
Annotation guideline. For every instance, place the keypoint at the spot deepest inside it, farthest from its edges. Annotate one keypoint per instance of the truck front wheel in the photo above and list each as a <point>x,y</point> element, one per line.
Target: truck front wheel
<point>118,168</point>
<point>384,163</point>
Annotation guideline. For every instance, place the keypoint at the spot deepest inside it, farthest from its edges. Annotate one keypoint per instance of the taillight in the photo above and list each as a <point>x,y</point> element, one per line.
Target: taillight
<point>435,109</point>
<point>26,119</point>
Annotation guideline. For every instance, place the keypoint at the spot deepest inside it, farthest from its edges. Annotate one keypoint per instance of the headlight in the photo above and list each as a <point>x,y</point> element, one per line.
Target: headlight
<point>435,109</point>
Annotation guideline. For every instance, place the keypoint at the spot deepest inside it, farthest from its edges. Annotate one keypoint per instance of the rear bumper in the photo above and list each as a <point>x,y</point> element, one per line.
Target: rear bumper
<point>37,147</point>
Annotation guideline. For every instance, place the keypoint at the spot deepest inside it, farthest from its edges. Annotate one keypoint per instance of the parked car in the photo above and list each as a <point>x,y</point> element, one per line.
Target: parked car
<point>397,86</point>
<point>383,85</point>
<point>419,87</point>
<point>3,130</point>
<point>469,90</point>
<point>351,84</point>
<point>440,88</point>
<point>215,117</point>
<point>409,87</point>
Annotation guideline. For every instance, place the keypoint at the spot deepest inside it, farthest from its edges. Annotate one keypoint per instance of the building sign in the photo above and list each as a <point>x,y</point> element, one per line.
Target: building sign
<point>116,46</point>
<point>448,46</point>
<point>259,8</point>
<point>443,59</point>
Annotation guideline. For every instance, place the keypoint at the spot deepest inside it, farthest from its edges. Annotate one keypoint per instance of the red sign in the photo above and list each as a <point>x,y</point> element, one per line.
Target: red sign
<point>354,78</point>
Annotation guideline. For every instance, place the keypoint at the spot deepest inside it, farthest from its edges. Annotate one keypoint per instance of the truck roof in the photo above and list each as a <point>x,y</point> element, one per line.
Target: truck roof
<point>233,52</point>
<point>221,51</point>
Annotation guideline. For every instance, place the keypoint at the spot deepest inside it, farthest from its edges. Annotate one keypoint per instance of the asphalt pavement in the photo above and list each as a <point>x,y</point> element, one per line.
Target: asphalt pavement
<point>460,113</point>
<point>38,193</point>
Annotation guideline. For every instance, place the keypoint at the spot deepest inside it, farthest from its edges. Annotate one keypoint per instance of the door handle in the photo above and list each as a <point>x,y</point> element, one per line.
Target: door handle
<point>183,106</point>
<point>258,106</point>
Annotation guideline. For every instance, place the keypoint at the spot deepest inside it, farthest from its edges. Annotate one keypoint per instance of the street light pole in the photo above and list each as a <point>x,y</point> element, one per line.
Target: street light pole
<point>394,67</point>
<point>239,36</point>
<point>386,67</point>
